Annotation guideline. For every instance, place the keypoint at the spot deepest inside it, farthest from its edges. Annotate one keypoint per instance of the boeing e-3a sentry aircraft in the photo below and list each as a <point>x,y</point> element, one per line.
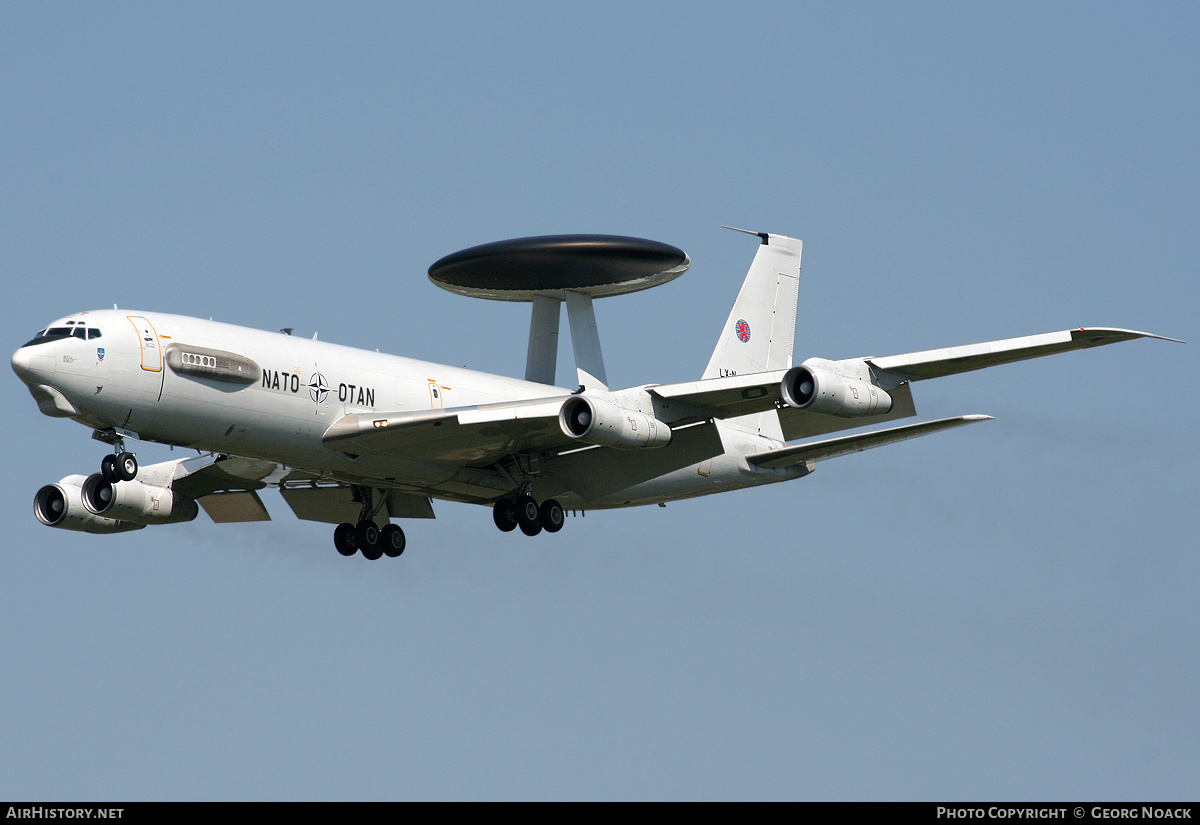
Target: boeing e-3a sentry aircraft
<point>357,438</point>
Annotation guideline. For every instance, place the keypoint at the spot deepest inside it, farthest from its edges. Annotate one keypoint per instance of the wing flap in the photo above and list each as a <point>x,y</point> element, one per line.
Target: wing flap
<point>935,363</point>
<point>847,444</point>
<point>336,504</point>
<point>228,508</point>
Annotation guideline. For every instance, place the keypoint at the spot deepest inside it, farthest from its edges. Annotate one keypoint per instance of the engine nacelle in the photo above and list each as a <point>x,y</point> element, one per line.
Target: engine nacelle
<point>135,501</point>
<point>61,505</point>
<point>821,391</point>
<point>594,421</point>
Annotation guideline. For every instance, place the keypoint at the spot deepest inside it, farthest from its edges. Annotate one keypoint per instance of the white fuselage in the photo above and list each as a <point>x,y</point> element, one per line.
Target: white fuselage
<point>120,378</point>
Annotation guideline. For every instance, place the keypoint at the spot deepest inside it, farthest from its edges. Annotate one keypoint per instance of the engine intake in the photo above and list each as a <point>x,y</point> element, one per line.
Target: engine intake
<point>61,505</point>
<point>821,391</point>
<point>135,501</point>
<point>594,421</point>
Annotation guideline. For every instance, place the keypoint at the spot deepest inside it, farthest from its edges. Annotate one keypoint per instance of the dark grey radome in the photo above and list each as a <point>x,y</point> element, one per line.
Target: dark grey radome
<point>598,265</point>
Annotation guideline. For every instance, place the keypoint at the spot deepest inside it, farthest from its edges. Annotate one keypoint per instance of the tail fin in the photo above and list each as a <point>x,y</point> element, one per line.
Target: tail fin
<point>762,325</point>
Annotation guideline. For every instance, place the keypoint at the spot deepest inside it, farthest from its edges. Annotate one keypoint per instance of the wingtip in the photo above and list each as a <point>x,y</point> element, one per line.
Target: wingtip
<point>1132,332</point>
<point>1159,337</point>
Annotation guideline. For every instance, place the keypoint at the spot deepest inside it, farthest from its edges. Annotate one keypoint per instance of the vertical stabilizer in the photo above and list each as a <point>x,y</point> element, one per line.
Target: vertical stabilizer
<point>761,329</point>
<point>762,325</point>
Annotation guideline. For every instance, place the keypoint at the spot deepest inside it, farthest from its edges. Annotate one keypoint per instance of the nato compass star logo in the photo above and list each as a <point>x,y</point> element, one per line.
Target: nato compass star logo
<point>317,388</point>
<point>743,330</point>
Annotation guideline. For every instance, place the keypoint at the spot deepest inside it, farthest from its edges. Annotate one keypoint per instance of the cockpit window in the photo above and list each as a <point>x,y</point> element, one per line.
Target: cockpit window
<point>69,329</point>
<point>54,334</point>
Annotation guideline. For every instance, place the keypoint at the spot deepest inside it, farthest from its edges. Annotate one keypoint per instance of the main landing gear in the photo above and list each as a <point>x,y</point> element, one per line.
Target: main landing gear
<point>366,535</point>
<point>525,513</point>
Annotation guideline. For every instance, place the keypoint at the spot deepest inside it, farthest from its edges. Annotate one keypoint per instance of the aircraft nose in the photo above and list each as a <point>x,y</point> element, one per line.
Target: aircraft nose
<point>30,368</point>
<point>20,362</point>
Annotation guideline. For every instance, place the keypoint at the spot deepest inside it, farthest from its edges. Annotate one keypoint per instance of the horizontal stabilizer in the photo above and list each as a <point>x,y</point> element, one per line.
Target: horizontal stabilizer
<point>834,447</point>
<point>934,363</point>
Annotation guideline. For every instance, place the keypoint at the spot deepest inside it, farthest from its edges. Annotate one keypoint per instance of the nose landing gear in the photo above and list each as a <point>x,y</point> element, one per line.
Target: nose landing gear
<point>120,467</point>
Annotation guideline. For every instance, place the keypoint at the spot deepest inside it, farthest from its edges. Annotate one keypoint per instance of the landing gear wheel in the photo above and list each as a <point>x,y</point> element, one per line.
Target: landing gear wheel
<point>108,469</point>
<point>527,515</point>
<point>551,516</point>
<point>367,537</point>
<point>393,541</point>
<point>127,466</point>
<point>344,541</point>
<point>504,513</point>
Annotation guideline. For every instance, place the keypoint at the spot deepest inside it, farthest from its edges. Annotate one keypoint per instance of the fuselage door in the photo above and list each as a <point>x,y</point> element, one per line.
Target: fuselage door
<point>148,343</point>
<point>436,402</point>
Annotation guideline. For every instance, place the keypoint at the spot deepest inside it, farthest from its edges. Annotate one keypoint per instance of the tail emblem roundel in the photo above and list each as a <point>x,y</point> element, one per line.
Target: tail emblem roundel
<point>743,330</point>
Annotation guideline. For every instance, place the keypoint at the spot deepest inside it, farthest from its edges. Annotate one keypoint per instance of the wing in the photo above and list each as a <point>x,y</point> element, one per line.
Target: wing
<point>472,436</point>
<point>732,396</point>
<point>736,395</point>
<point>227,488</point>
<point>935,363</point>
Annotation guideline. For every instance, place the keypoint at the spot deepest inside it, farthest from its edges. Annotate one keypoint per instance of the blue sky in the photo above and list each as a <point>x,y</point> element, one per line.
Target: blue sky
<point>1006,611</point>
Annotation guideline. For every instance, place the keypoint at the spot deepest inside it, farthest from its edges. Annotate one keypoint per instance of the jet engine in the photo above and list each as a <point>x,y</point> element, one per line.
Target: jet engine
<point>821,391</point>
<point>595,421</point>
<point>135,501</point>
<point>61,505</point>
